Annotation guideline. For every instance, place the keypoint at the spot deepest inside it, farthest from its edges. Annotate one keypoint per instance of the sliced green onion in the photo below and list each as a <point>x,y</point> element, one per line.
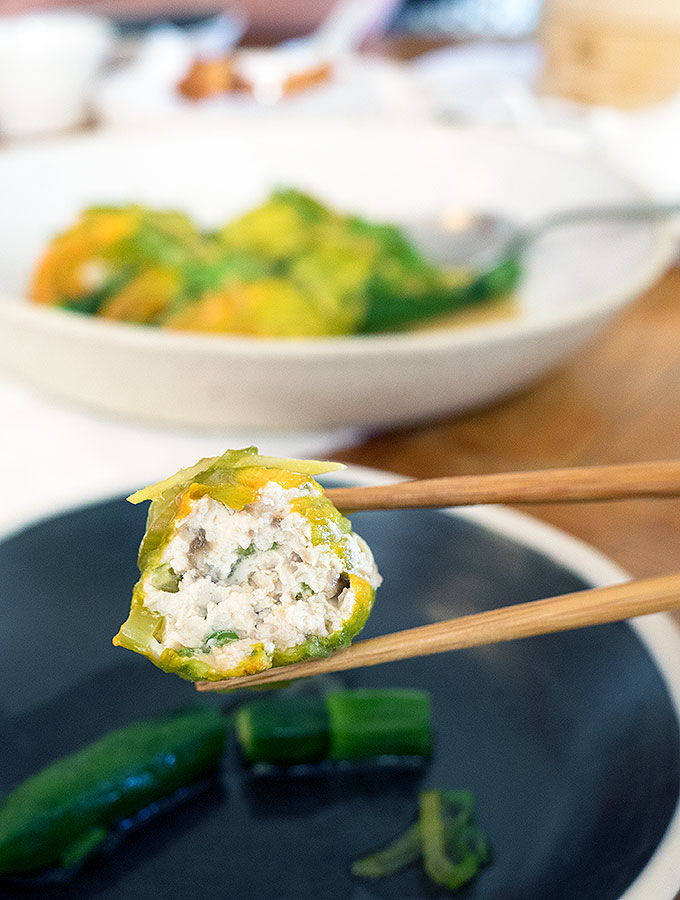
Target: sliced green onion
<point>241,554</point>
<point>380,721</point>
<point>407,848</point>
<point>219,638</point>
<point>304,592</point>
<point>401,852</point>
<point>450,860</point>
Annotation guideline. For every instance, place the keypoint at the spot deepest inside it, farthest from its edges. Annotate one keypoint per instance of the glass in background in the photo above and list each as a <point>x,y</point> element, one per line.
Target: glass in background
<point>623,53</point>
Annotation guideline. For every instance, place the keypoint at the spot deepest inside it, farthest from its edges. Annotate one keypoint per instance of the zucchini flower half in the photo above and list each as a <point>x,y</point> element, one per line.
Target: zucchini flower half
<point>245,564</point>
<point>126,263</point>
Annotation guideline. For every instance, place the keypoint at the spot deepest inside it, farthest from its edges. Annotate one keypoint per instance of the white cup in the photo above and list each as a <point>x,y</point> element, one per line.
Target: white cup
<point>48,62</point>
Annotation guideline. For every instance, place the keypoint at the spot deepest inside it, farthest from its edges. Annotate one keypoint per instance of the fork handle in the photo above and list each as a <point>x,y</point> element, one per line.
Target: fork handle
<point>626,212</point>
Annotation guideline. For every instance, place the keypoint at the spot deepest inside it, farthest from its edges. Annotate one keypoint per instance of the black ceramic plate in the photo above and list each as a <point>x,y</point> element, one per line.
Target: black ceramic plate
<point>569,742</point>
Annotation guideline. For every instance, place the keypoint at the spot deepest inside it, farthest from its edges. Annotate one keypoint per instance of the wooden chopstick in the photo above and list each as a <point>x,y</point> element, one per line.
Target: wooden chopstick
<point>620,482</point>
<point>578,610</point>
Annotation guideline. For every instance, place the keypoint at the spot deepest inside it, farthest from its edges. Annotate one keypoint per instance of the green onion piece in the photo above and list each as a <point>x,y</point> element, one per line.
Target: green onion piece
<point>304,592</point>
<point>164,578</point>
<point>450,860</point>
<point>403,851</point>
<point>283,730</point>
<point>241,553</point>
<point>382,721</point>
<point>391,310</point>
<point>457,807</point>
<point>219,638</point>
<point>406,848</point>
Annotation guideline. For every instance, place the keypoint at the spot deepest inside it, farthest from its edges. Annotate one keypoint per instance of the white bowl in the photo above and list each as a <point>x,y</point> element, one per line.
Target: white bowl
<point>576,280</point>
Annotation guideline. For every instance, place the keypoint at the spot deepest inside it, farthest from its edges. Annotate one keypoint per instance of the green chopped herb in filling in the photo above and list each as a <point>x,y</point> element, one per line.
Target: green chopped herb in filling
<point>241,554</point>
<point>218,638</point>
<point>304,592</point>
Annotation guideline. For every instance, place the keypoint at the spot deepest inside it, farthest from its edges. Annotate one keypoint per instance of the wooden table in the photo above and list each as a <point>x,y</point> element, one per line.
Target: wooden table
<point>617,401</point>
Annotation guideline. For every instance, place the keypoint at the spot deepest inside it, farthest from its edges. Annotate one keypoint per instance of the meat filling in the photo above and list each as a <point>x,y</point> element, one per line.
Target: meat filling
<point>231,579</point>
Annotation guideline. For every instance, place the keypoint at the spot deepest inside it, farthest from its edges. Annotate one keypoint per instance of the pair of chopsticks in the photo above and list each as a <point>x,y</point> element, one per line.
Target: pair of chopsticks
<point>577,610</point>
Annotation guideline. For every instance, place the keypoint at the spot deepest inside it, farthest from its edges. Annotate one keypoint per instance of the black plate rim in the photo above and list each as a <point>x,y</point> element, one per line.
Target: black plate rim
<point>658,633</point>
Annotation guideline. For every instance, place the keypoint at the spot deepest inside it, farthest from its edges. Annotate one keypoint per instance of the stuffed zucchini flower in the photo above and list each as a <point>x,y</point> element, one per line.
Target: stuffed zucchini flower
<point>245,564</point>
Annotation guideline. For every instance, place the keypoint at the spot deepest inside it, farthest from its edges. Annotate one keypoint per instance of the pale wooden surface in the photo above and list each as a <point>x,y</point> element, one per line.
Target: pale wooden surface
<point>562,613</point>
<point>607,59</point>
<point>617,401</point>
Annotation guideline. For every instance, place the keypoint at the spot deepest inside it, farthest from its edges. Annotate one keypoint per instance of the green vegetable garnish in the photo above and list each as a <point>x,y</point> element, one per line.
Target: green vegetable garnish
<point>283,730</point>
<point>63,813</point>
<point>348,725</point>
<point>451,847</point>
<point>291,267</point>
<point>382,721</point>
<point>391,309</point>
<point>401,852</point>
<point>241,554</point>
<point>450,859</point>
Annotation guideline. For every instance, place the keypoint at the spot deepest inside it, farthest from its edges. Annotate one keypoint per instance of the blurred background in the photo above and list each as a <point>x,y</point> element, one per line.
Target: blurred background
<point>396,111</point>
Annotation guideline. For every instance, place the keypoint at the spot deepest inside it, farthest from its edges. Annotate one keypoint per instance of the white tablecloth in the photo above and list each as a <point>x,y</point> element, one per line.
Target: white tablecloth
<point>55,455</point>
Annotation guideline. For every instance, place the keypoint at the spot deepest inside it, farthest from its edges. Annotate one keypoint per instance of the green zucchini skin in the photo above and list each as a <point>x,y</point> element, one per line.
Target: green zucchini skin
<point>357,724</point>
<point>45,817</point>
<point>368,722</point>
<point>235,480</point>
<point>283,731</point>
